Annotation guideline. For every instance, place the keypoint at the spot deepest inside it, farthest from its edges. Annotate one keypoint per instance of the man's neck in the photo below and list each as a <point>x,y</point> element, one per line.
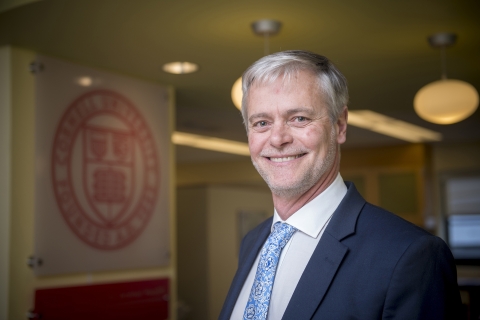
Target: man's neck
<point>286,207</point>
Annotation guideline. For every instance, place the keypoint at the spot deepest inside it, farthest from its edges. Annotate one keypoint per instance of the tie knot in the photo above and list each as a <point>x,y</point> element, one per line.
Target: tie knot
<point>283,227</point>
<point>282,232</point>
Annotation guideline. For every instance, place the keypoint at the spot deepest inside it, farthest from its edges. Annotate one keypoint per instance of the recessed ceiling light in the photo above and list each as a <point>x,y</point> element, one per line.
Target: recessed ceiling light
<point>180,67</point>
<point>84,81</point>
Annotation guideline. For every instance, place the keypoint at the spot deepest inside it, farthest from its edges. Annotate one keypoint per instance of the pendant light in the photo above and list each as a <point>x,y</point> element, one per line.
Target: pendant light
<point>265,28</point>
<point>445,101</point>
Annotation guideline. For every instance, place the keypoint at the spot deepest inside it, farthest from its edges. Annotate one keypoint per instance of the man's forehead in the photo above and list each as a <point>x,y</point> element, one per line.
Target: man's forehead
<point>285,80</point>
<point>265,99</point>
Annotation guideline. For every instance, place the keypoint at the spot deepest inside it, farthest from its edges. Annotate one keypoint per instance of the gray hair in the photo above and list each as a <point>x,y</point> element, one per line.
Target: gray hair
<point>288,64</point>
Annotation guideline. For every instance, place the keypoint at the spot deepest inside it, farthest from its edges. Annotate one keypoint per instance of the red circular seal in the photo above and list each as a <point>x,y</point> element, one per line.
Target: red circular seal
<point>105,170</point>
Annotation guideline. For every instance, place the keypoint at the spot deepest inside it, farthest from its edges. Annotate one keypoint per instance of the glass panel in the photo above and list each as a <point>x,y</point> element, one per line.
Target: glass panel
<point>464,230</point>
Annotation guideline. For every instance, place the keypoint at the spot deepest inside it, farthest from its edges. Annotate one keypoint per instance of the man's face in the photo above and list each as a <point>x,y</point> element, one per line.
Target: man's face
<point>292,142</point>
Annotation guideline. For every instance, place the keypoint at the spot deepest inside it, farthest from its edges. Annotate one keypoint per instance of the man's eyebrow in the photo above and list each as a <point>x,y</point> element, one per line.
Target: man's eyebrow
<point>306,110</point>
<point>258,115</point>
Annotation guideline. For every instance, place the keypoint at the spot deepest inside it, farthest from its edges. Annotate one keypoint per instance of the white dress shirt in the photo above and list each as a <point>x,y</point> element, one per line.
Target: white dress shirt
<point>310,222</point>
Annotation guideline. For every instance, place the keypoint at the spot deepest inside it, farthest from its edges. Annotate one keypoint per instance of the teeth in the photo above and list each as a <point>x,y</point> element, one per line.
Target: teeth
<point>284,159</point>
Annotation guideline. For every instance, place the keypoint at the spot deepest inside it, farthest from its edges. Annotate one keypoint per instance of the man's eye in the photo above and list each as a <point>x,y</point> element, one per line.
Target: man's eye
<point>299,119</point>
<point>261,126</point>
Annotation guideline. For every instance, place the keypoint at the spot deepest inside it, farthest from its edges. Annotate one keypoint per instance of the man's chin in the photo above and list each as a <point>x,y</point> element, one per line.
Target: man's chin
<point>288,191</point>
<point>279,186</point>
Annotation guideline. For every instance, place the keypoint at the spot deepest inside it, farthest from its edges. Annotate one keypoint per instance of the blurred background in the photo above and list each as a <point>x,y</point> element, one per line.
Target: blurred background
<point>216,194</point>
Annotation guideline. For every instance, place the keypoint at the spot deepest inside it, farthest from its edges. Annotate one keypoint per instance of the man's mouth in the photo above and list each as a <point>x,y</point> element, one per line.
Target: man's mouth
<point>285,159</point>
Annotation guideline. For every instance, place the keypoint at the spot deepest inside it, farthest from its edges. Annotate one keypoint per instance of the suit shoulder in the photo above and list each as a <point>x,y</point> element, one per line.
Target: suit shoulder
<point>387,225</point>
<point>386,238</point>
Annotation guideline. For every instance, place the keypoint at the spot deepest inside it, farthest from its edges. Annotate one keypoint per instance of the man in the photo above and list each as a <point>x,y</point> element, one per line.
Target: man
<point>326,253</point>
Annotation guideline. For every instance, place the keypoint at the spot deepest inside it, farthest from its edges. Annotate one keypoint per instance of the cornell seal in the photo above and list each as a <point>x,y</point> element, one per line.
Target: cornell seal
<point>105,170</point>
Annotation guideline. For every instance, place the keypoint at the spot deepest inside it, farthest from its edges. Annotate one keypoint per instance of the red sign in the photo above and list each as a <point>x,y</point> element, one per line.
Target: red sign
<point>105,170</point>
<point>119,301</point>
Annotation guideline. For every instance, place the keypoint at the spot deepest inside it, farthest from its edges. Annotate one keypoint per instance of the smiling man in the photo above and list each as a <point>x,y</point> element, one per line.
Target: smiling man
<point>326,253</point>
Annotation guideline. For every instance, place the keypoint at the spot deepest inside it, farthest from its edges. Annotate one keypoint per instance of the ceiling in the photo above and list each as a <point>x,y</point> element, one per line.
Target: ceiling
<point>380,46</point>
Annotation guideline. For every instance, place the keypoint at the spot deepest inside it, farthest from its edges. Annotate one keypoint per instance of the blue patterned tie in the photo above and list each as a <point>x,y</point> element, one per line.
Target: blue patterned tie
<point>259,300</point>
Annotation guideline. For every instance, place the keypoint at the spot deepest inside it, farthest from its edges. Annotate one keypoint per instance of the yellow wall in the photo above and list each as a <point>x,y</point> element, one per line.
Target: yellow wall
<point>22,281</point>
<point>4,178</point>
<point>22,181</point>
<point>231,172</point>
<point>457,157</point>
<point>375,169</point>
<point>223,241</point>
<point>192,252</point>
<point>208,248</point>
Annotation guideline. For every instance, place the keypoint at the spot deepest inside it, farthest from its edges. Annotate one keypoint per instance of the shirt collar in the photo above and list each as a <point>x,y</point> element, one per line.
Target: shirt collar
<point>312,217</point>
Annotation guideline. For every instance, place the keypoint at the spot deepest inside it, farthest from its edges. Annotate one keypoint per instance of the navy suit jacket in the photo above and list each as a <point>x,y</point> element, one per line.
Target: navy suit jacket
<point>369,264</point>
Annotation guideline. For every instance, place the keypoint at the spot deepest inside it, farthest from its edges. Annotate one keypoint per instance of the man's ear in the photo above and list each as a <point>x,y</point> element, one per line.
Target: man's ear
<point>341,126</point>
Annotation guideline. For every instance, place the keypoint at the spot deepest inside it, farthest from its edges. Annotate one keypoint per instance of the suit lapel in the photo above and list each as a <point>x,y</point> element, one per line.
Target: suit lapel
<point>251,247</point>
<point>326,259</point>
<point>316,278</point>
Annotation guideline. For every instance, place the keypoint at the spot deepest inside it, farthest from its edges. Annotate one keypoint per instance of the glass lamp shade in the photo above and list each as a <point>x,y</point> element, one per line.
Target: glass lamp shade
<point>446,101</point>
<point>237,93</point>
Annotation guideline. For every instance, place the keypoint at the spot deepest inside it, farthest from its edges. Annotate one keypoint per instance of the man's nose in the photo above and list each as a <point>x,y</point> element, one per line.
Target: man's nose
<point>280,135</point>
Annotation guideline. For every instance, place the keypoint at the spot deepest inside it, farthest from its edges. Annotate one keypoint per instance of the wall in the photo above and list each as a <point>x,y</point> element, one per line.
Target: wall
<point>395,178</point>
<point>4,178</point>
<point>236,172</point>
<point>192,251</point>
<point>209,239</point>
<point>224,204</point>
<point>22,180</point>
<point>457,157</point>
<point>22,282</point>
